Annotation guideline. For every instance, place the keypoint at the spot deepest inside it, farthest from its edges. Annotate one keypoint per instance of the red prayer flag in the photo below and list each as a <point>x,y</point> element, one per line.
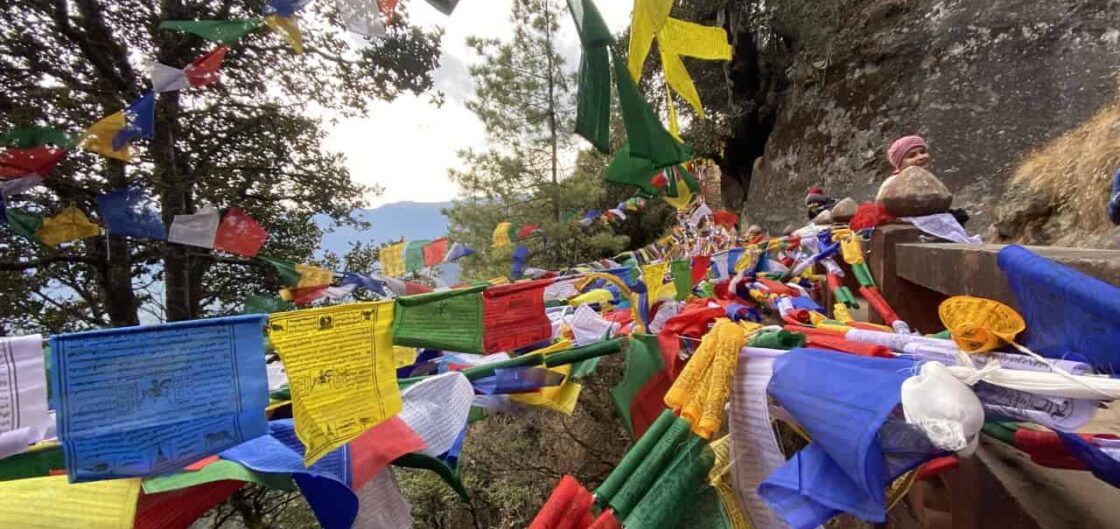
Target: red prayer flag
<point>869,215</point>
<point>606,520</point>
<point>305,295</point>
<point>204,70</point>
<point>725,218</point>
<point>649,402</point>
<point>566,506</point>
<point>17,163</point>
<point>412,288</point>
<point>526,230</point>
<point>372,451</point>
<point>513,316</point>
<point>700,265</point>
<point>435,251</point>
<point>239,234</point>
<point>178,509</point>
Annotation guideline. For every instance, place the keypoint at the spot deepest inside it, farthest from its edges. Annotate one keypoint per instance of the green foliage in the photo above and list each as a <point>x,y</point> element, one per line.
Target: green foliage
<point>246,141</point>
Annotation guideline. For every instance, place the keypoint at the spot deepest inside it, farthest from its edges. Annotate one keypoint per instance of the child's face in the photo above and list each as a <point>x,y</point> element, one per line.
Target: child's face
<point>915,157</point>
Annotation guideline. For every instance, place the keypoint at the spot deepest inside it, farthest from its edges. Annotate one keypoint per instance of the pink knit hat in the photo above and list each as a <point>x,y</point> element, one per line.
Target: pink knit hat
<point>902,146</point>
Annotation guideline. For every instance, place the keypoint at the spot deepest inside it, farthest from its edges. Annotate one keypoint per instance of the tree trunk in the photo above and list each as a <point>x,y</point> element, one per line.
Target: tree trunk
<point>114,269</point>
<point>551,76</point>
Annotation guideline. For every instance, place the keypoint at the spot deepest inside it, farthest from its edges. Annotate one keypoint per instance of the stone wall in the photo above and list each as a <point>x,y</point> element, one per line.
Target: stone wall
<point>832,82</point>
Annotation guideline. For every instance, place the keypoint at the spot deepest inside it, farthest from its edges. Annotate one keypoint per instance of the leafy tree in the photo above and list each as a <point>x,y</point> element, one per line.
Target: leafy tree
<point>247,141</point>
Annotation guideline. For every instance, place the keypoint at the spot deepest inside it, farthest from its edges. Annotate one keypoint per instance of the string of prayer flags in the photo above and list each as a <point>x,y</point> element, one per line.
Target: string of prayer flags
<point>701,391</point>
<point>288,28</point>
<point>239,234</point>
<point>501,236</point>
<point>51,502</point>
<point>435,252</point>
<point>362,17</point>
<point>201,72</point>
<point>137,401</point>
<point>99,137</point>
<point>30,161</point>
<point>28,137</point>
<point>284,8</point>
<point>474,320</point>
<point>139,121</point>
<point>392,259</point>
<point>128,212</point>
<point>414,255</point>
<point>339,362</point>
<point>24,419</point>
<point>444,6</point>
<point>223,31</point>
<point>71,224</point>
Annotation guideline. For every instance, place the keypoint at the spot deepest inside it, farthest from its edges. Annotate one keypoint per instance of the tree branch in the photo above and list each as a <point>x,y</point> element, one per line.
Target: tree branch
<point>11,266</point>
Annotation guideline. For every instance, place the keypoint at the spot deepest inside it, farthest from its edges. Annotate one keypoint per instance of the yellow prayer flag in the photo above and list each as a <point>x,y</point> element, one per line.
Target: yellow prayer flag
<point>674,123</point>
<point>500,280</point>
<point>688,39</point>
<point>288,28</point>
<point>851,250</point>
<point>340,369</point>
<point>647,19</point>
<point>653,275</point>
<point>69,225</point>
<point>704,385</point>
<point>677,77</point>
<point>313,276</point>
<point>392,260</point>
<point>501,235</point>
<point>684,195</point>
<point>720,479</point>
<point>979,325</point>
<point>562,398</point>
<point>404,356</point>
<point>54,503</point>
<point>99,137</point>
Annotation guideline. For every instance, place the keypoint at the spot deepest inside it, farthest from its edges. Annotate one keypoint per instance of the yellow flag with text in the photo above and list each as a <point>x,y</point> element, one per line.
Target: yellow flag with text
<point>392,260</point>
<point>340,365</point>
<point>54,503</point>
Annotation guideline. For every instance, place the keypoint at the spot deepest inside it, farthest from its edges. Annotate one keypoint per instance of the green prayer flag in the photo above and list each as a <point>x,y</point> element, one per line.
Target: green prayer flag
<point>674,490</point>
<point>217,471</point>
<point>706,511</point>
<point>782,339</point>
<point>650,469</point>
<point>255,304</point>
<point>593,98</point>
<point>643,361</point>
<point>426,462</point>
<point>28,137</point>
<point>287,269</point>
<point>414,255</point>
<point>634,457</point>
<point>646,136</point>
<point>24,224</point>
<point>34,463</point>
<point>682,277</point>
<point>450,320</point>
<point>626,169</point>
<point>223,31</point>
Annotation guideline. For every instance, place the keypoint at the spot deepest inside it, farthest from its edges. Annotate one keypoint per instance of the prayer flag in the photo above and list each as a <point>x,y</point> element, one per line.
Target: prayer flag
<point>167,78</point>
<point>31,161</point>
<point>339,362</point>
<point>52,502</point>
<point>392,259</point>
<point>648,17</point>
<point>204,70</point>
<point>700,265</point>
<point>569,505</point>
<point>628,169</point>
<point>28,137</point>
<point>288,28</point>
<point>300,275</point>
<point>458,251</point>
<point>679,38</point>
<point>223,31</point>
<point>593,96</point>
<point>239,234</point>
<point>474,320</point>
<point>137,401</point>
<point>501,235</point>
<point>677,484</point>
<point>435,252</point>
<point>362,17</point>
<point>128,212</point>
<point>24,419</point>
<point>701,391</point>
<point>24,224</point>
<point>520,255</point>
<point>444,6</point>
<point>526,230</point>
<point>195,230</point>
<point>638,396</point>
<point>285,8</point>
<point>71,224</point>
<point>139,121</point>
<point>15,186</point>
<point>99,137</point>
<point>681,271</point>
<point>644,133</point>
<point>414,256</point>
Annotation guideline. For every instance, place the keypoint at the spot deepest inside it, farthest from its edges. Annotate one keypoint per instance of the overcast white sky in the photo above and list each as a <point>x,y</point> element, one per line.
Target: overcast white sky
<point>408,145</point>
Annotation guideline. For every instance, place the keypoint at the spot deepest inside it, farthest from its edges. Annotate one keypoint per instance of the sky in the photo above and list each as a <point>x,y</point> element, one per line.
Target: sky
<point>407,146</point>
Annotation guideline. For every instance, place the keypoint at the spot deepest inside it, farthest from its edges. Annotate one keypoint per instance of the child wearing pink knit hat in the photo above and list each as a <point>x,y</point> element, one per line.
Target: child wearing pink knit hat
<point>908,151</point>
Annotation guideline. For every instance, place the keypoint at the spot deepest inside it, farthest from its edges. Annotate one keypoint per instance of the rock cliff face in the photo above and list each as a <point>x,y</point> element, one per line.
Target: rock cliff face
<point>818,89</point>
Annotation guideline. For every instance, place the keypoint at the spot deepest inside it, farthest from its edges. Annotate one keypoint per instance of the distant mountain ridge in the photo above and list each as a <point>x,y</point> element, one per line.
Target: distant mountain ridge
<point>388,222</point>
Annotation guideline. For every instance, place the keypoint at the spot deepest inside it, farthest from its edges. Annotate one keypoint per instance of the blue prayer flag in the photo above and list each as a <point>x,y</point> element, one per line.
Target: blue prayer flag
<point>128,212</point>
<point>139,121</point>
<point>284,8</point>
<point>139,401</point>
